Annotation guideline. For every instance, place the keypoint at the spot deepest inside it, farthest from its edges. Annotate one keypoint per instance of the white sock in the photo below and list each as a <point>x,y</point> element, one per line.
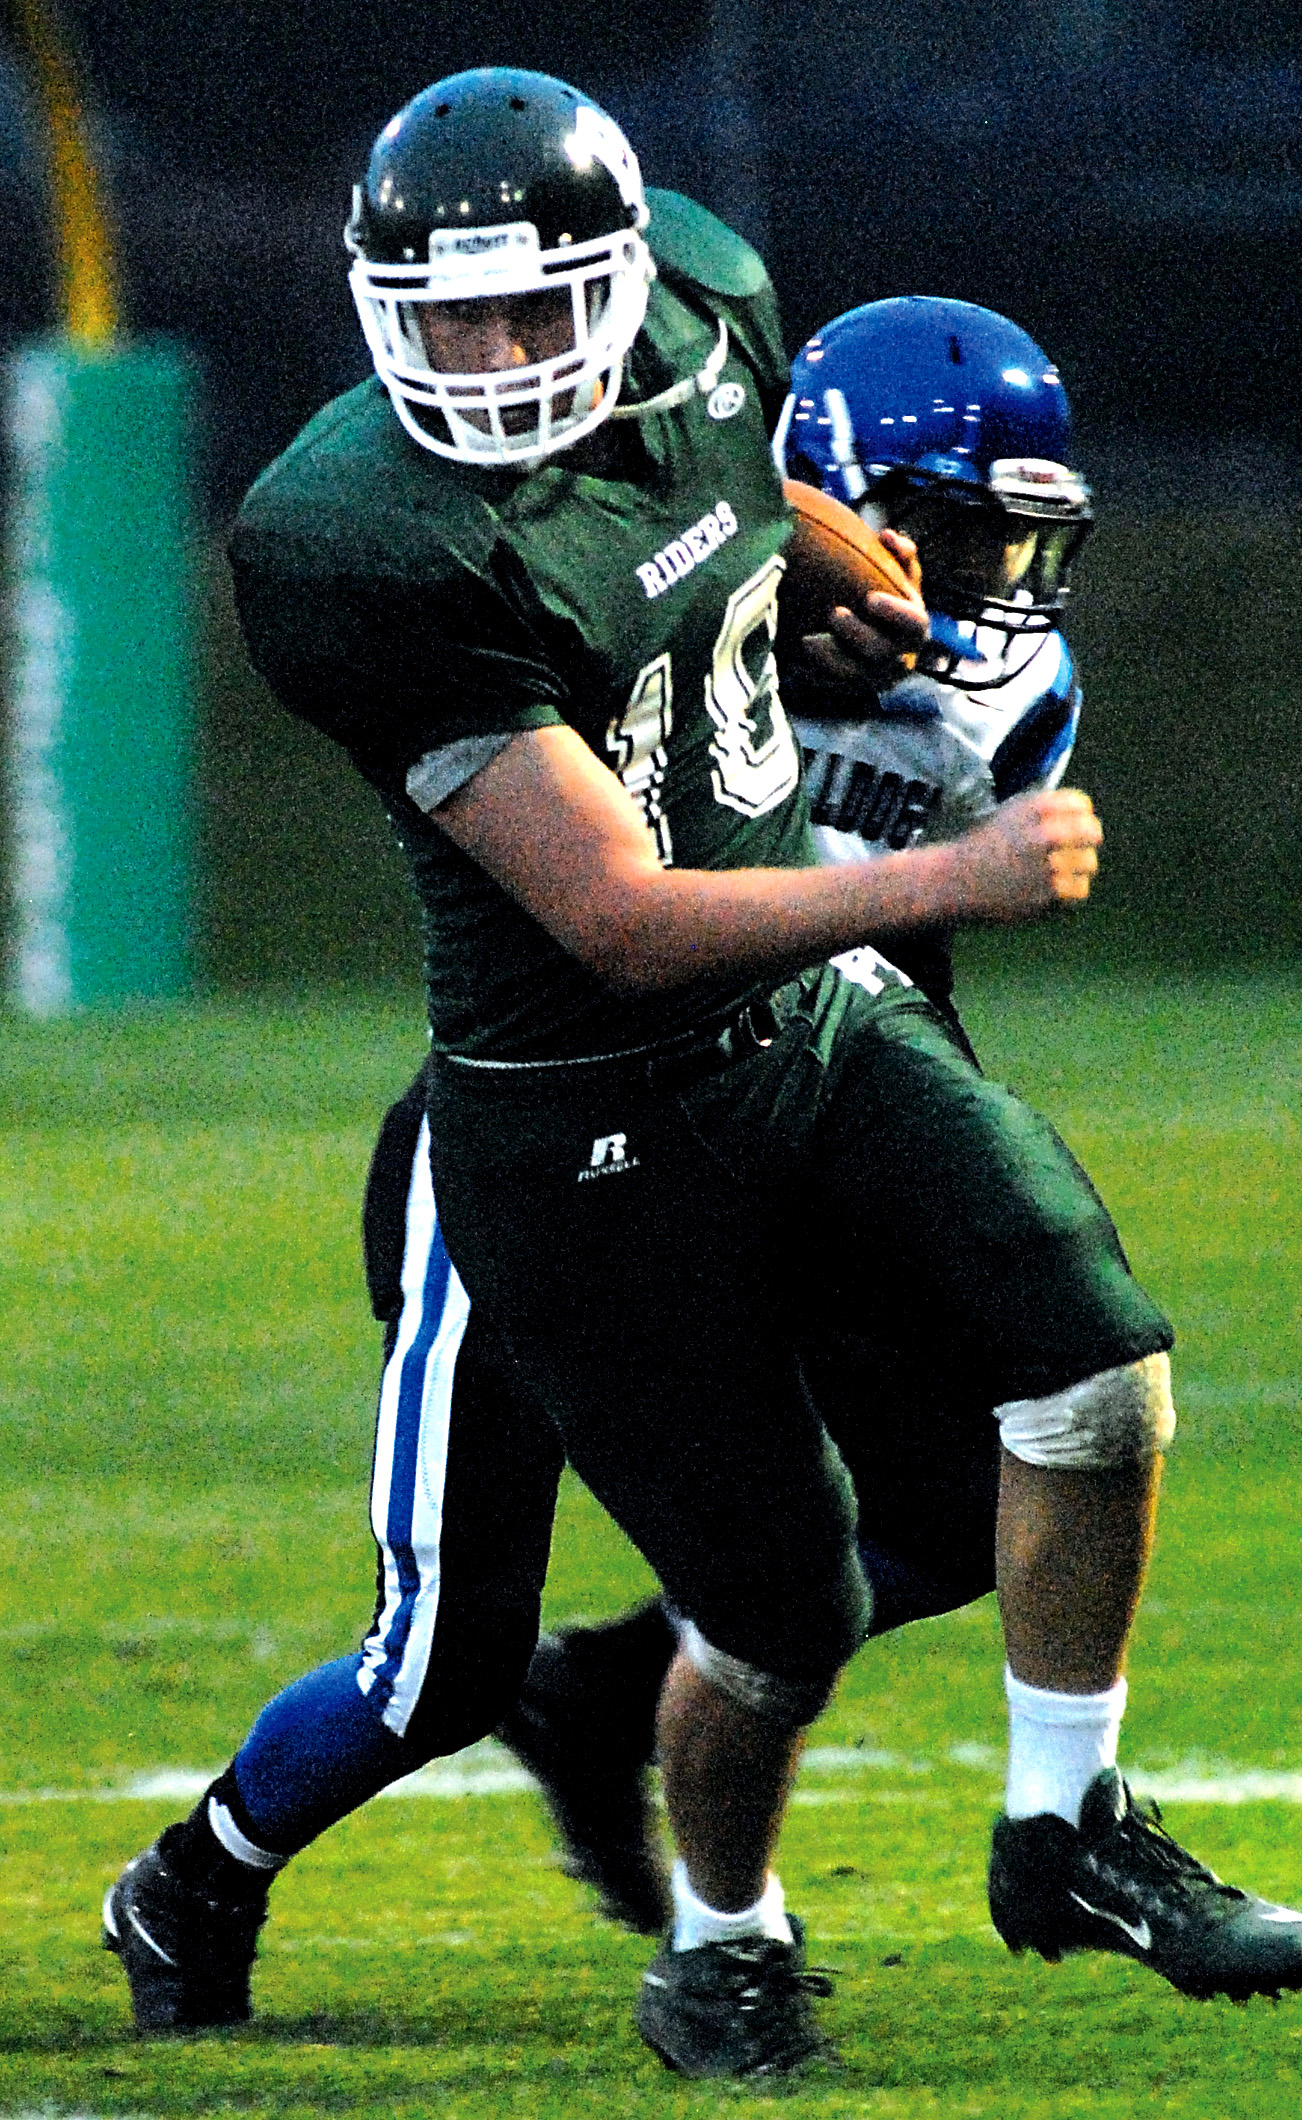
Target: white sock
<point>695,1923</point>
<point>1057,1743</point>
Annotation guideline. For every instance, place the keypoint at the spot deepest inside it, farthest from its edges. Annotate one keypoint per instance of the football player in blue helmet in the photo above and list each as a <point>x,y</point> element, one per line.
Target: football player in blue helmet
<point>947,423</point>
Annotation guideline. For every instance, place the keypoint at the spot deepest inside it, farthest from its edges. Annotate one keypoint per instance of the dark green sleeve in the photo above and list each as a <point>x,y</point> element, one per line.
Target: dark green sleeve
<point>389,666</point>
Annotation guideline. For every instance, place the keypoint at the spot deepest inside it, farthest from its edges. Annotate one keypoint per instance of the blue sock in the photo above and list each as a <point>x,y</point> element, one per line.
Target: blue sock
<point>316,1752</point>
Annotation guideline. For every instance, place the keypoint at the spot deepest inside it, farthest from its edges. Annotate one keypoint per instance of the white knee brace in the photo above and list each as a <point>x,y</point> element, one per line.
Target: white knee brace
<point>794,1703</point>
<point>1119,1417</point>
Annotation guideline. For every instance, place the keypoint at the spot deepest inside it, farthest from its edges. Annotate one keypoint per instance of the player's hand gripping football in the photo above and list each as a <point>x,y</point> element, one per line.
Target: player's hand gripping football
<point>1036,851</point>
<point>873,642</point>
<point>850,594</point>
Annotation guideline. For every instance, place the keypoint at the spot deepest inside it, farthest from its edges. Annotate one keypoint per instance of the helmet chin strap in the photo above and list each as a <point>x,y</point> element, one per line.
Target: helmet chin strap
<point>678,393</point>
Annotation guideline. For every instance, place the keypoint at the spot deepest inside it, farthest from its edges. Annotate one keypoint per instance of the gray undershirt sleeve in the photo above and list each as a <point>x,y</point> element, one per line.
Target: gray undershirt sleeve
<point>441,772</point>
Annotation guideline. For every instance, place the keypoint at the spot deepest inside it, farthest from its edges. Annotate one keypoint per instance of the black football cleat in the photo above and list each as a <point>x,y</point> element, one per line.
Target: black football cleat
<point>1119,1882</point>
<point>186,1956</point>
<point>737,2009</point>
<point>595,1779</point>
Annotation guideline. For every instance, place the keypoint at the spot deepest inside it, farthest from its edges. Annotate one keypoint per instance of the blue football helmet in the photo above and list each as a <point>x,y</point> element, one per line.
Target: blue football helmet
<point>947,422</point>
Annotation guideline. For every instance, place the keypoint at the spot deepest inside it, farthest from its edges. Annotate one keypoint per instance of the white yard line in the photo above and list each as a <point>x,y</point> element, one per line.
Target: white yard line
<point>487,1769</point>
<point>1242,1785</point>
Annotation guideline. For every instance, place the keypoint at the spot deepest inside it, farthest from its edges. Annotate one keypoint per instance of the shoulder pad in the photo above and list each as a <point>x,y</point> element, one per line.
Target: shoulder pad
<point>688,240</point>
<point>352,494</point>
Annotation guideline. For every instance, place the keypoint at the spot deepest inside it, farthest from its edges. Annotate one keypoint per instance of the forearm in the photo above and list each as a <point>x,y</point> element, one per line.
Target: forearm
<point>556,830</point>
<point>687,924</point>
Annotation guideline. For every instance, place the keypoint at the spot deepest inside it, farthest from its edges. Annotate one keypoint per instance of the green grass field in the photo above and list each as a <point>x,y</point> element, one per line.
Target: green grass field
<point>186,1404</point>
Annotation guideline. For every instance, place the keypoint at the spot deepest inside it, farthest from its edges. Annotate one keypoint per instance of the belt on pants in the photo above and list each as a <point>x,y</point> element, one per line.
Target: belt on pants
<point>747,1030</point>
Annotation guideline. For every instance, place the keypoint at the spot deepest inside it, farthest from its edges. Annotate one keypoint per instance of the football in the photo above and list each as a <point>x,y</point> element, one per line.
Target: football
<point>832,558</point>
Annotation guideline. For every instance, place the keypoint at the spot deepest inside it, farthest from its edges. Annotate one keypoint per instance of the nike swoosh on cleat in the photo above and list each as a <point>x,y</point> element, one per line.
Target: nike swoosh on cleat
<point>145,1937</point>
<point>1138,1931</point>
<point>1280,1914</point>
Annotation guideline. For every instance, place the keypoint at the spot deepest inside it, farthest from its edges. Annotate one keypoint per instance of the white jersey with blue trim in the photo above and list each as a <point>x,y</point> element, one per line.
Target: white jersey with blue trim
<point>935,757</point>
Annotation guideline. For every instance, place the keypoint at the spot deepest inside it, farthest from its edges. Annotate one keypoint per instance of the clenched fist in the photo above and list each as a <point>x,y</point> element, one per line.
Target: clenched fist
<point>1036,851</point>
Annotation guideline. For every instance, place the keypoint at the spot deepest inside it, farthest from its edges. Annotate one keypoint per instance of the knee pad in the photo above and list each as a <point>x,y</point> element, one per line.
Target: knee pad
<point>1119,1417</point>
<point>791,1702</point>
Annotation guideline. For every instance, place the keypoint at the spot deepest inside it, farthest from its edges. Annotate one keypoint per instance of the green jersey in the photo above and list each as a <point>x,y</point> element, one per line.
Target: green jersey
<point>420,611</point>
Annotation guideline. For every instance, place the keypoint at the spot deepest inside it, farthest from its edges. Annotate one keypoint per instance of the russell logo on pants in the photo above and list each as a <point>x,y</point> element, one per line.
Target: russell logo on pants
<point>609,1157</point>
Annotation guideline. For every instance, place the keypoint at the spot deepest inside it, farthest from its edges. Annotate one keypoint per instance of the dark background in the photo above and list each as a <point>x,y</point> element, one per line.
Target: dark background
<point>1124,180</point>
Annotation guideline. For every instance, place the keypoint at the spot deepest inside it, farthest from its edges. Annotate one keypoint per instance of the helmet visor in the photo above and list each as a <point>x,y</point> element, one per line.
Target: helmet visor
<point>981,553</point>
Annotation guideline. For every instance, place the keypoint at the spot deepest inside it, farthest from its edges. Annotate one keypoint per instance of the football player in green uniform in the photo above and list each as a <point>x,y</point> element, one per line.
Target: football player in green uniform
<point>528,578</point>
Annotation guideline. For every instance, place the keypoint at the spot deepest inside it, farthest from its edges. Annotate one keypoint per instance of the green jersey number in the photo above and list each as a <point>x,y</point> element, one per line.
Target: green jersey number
<point>754,761</point>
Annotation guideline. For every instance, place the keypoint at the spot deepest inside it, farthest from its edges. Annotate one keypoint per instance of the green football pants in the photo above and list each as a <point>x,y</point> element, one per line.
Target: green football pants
<point>673,1250</point>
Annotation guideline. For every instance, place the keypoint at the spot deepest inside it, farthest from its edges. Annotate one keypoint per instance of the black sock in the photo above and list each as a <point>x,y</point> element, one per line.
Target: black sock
<point>197,1858</point>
